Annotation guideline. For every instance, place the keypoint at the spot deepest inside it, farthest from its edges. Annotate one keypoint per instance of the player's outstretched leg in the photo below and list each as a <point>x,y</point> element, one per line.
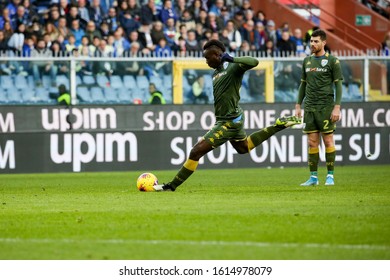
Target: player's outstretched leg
<point>258,137</point>
<point>186,171</point>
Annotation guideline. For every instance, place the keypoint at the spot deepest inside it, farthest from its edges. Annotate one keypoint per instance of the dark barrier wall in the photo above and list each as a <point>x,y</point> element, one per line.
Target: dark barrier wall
<point>108,138</point>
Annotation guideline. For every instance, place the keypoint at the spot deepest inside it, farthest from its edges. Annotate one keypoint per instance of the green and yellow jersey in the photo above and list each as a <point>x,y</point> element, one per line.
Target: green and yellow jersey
<point>320,74</point>
<point>227,80</point>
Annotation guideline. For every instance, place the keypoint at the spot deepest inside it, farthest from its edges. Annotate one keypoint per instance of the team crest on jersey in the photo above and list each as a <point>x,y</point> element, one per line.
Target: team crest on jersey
<point>225,65</point>
<point>324,62</point>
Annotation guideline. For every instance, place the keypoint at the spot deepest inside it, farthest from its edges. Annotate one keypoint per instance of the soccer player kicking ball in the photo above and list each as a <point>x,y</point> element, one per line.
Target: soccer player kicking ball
<point>227,79</point>
<point>320,73</point>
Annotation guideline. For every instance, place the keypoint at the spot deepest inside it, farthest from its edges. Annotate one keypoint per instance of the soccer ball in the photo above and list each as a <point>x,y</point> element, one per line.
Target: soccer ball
<point>146,181</point>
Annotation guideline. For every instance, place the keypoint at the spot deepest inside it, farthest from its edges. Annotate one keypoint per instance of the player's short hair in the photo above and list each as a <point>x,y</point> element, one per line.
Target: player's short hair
<point>319,33</point>
<point>214,43</point>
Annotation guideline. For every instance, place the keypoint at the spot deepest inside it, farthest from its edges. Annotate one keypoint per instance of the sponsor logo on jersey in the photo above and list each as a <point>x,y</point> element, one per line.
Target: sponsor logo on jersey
<point>316,69</point>
<point>219,75</point>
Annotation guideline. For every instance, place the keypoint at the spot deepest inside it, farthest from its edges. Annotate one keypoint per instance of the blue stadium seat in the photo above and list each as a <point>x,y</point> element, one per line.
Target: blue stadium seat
<point>46,81</point>
<point>124,95</point>
<point>116,82</point>
<point>89,80</point>
<point>129,81</point>
<point>6,82</point>
<point>63,80</point>
<point>110,95</point>
<point>42,95</point>
<point>83,94</point>
<point>102,81</point>
<point>3,96</point>
<point>14,96</point>
<point>167,81</point>
<point>97,95</point>
<point>142,82</point>
<point>21,82</point>
<point>28,96</point>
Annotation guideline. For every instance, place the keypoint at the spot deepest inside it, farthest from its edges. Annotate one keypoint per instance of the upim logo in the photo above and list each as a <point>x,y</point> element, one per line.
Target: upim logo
<point>7,155</point>
<point>81,148</point>
<point>86,118</point>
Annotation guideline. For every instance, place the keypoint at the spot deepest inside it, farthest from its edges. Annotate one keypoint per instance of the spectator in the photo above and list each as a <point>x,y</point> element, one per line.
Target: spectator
<point>180,49</point>
<point>134,37</point>
<point>104,29</point>
<point>62,27</point>
<point>71,44</point>
<point>285,45</point>
<point>8,31</point>
<point>298,41</point>
<point>30,9</point>
<point>52,31</point>
<point>74,15</point>
<point>54,16</point>
<point>105,4</point>
<point>256,84</point>
<point>120,43</point>
<point>192,44</point>
<point>20,17</point>
<point>202,18</point>
<point>97,11</point>
<point>195,8</point>
<point>245,48</point>
<point>225,15</point>
<point>16,41</point>
<point>271,31</point>
<point>148,13</point>
<point>163,49</point>
<point>234,36</point>
<point>246,6</point>
<point>284,27</point>
<point>214,23</point>
<point>269,49</point>
<point>101,66</point>
<point>77,31</point>
<point>156,96</point>
<point>217,7</point>
<point>63,7</point>
<point>286,83</point>
<point>180,6</point>
<point>224,38</point>
<point>251,35</point>
<point>134,9</point>
<point>5,16</point>
<point>170,32</point>
<point>91,31</point>
<point>187,20</point>
<point>3,43</point>
<point>128,23</point>
<point>157,32</point>
<point>44,66</point>
<point>83,10</point>
<point>62,66</point>
<point>13,7</point>
<point>84,66</point>
<point>203,4</point>
<point>260,17</point>
<point>133,67</point>
<point>262,35</point>
<point>168,12</point>
<point>28,46</point>
<point>145,37</point>
<point>86,44</point>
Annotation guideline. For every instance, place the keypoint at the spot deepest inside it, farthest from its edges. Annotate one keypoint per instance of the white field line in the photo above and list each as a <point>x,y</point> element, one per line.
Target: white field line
<point>202,243</point>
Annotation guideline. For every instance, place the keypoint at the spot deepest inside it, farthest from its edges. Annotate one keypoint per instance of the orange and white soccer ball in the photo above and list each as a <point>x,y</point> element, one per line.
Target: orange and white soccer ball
<point>146,181</point>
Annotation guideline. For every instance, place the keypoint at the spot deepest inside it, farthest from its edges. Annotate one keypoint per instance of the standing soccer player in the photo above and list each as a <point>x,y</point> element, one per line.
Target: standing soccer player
<point>321,72</point>
<point>229,126</point>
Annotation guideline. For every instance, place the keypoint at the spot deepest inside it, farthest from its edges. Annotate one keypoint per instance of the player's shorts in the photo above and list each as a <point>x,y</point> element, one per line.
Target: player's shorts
<point>318,121</point>
<point>224,131</point>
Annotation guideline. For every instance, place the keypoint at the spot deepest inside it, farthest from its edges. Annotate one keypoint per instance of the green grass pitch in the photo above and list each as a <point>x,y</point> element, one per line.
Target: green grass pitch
<point>217,214</point>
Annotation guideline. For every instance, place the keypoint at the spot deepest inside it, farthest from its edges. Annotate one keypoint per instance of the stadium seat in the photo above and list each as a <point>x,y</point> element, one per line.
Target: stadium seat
<point>167,81</point>
<point>63,80</point>
<point>83,94</point>
<point>28,96</point>
<point>142,82</point>
<point>157,81</point>
<point>46,81</point>
<point>102,81</point>
<point>21,82</point>
<point>42,95</point>
<point>3,96</point>
<point>6,82</point>
<point>129,81</point>
<point>89,80</point>
<point>110,95</point>
<point>14,96</point>
<point>97,95</point>
<point>116,82</point>
<point>124,95</point>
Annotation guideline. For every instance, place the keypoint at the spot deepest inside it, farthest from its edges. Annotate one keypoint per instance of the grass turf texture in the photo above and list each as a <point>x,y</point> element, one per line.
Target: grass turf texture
<point>216,214</point>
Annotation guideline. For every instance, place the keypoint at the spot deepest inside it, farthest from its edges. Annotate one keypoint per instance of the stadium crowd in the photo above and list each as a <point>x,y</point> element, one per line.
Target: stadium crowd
<point>108,28</point>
